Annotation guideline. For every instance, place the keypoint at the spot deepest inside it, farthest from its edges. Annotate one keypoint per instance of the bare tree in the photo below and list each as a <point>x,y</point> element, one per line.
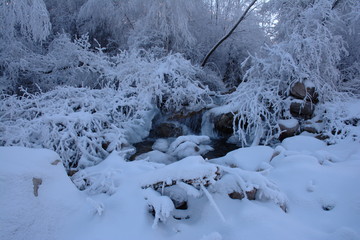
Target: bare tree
<point>228,34</point>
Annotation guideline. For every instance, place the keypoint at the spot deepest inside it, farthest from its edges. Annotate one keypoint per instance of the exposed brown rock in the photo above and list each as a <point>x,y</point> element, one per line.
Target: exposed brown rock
<point>166,130</point>
<point>251,195</point>
<point>300,91</point>
<point>303,110</point>
<point>224,124</point>
<point>236,195</point>
<point>287,131</point>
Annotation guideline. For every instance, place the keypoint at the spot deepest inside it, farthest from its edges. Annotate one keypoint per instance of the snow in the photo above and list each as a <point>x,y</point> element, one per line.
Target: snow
<point>303,144</point>
<point>156,156</point>
<point>190,145</point>
<point>22,214</point>
<point>249,158</point>
<point>161,144</point>
<point>189,168</point>
<point>289,123</point>
<point>318,183</point>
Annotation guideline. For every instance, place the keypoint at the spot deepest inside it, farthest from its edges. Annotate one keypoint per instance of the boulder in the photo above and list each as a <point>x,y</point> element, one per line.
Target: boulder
<point>302,109</point>
<point>304,90</point>
<point>288,127</point>
<point>166,130</point>
<point>223,124</point>
<point>251,195</point>
<point>310,129</point>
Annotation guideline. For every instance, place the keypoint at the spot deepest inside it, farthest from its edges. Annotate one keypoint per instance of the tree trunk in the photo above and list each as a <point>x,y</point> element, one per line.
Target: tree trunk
<point>228,34</point>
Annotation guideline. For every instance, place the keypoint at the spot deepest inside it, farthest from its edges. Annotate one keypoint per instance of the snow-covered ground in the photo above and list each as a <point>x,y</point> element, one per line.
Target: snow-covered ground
<point>316,184</point>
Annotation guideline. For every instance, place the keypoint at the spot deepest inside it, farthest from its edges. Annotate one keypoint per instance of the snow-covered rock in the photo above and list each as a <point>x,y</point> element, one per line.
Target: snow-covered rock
<point>288,127</point>
<point>248,158</point>
<point>190,145</point>
<point>303,144</point>
<point>157,157</point>
<point>193,168</point>
<point>161,145</point>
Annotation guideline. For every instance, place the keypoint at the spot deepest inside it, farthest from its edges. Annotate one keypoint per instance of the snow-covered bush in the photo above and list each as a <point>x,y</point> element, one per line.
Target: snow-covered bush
<point>341,119</point>
<point>29,18</point>
<point>83,126</point>
<point>65,62</point>
<point>171,82</point>
<point>305,49</point>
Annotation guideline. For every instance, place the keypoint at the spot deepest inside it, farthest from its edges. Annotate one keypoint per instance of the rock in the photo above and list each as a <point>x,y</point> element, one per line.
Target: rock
<point>302,110</point>
<point>304,90</point>
<point>142,147</point>
<point>251,195</point>
<point>36,182</point>
<point>288,128</point>
<point>166,130</point>
<point>310,129</point>
<point>55,162</point>
<point>191,120</point>
<point>236,195</point>
<point>223,124</point>
<point>189,145</point>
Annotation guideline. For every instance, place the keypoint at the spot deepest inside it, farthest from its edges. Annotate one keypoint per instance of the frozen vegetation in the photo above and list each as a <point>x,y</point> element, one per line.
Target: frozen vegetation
<point>114,124</point>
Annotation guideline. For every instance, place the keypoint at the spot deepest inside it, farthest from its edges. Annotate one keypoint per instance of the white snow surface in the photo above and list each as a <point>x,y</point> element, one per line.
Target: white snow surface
<point>320,183</point>
<point>289,123</point>
<point>248,158</point>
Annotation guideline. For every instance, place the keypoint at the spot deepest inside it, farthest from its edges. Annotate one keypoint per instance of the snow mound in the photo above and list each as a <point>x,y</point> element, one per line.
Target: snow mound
<point>191,145</point>
<point>249,158</point>
<point>303,144</point>
<point>289,123</point>
<point>157,157</point>
<point>193,168</point>
<point>161,145</point>
<point>34,191</point>
<point>107,176</point>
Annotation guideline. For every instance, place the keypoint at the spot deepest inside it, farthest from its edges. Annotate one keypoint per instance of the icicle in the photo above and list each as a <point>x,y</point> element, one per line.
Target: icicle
<point>213,203</point>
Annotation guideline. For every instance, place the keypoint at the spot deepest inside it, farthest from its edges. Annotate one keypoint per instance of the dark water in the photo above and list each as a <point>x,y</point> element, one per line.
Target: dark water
<point>142,147</point>
<point>221,148</point>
